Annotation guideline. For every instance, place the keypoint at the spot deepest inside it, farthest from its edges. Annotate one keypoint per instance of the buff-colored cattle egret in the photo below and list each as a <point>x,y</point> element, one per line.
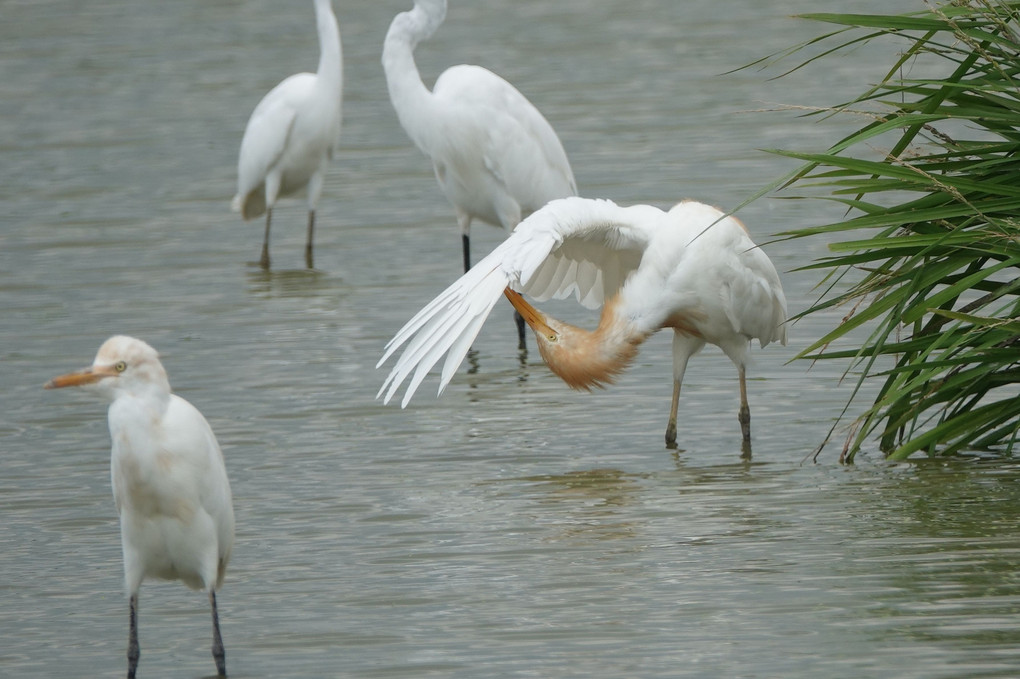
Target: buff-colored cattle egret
<point>169,482</point>
<point>497,159</point>
<point>292,135</point>
<point>692,269</point>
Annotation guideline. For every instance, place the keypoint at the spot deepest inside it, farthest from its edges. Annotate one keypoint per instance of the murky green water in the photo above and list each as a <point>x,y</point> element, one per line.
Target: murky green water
<point>511,528</point>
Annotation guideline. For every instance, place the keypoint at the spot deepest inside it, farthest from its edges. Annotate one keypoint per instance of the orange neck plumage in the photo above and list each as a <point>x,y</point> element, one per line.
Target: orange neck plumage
<point>584,359</point>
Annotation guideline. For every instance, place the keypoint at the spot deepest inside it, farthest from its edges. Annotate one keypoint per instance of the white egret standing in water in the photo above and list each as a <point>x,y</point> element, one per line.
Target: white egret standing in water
<point>169,481</point>
<point>497,159</point>
<point>692,269</point>
<point>292,135</point>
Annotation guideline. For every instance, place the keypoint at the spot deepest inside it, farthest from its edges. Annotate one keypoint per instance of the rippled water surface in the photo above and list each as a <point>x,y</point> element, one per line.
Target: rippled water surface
<point>510,528</point>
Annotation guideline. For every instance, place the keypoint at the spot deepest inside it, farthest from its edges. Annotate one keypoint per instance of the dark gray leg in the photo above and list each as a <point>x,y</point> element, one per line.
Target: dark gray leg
<point>217,646</point>
<point>308,245</point>
<point>671,425</point>
<point>744,416</point>
<point>466,243</point>
<point>133,651</point>
<point>264,260</point>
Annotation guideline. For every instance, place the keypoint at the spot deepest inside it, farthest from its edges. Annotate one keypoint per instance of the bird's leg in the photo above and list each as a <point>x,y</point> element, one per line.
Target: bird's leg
<point>217,647</point>
<point>264,261</point>
<point>133,652</point>
<point>308,245</point>
<point>744,415</point>
<point>684,346</point>
<point>521,344</point>
<point>466,244</point>
<point>671,425</point>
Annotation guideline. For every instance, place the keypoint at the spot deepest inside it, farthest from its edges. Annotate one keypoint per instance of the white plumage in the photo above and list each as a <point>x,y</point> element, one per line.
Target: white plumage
<point>496,158</point>
<point>169,481</point>
<point>692,269</point>
<point>292,135</point>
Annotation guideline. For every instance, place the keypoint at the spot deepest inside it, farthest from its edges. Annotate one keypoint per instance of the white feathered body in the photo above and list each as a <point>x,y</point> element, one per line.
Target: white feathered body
<point>495,156</point>
<point>287,141</point>
<point>702,273</point>
<point>692,269</point>
<point>169,481</point>
<point>294,130</point>
<point>171,490</point>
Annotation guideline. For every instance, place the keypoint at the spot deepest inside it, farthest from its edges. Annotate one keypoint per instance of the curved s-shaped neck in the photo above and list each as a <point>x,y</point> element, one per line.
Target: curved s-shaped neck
<point>330,55</point>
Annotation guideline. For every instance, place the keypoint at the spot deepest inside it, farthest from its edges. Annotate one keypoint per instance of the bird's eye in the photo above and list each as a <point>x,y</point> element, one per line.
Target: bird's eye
<point>120,366</point>
<point>552,337</point>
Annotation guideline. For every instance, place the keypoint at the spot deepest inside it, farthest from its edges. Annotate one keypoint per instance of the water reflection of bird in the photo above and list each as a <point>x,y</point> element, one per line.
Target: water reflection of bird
<point>692,269</point>
<point>594,502</point>
<point>169,481</point>
<point>497,159</point>
<point>291,136</point>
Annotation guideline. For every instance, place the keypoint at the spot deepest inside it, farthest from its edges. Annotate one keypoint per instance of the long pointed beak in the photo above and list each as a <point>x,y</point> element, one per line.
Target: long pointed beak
<point>532,316</point>
<point>80,378</point>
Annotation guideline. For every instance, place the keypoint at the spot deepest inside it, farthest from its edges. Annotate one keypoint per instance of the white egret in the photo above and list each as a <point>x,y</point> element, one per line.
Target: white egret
<point>169,482</point>
<point>292,135</point>
<point>496,158</point>
<point>692,269</point>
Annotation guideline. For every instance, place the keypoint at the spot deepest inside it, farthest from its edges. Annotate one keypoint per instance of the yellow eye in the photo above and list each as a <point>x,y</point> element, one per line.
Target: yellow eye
<point>120,366</point>
<point>551,337</point>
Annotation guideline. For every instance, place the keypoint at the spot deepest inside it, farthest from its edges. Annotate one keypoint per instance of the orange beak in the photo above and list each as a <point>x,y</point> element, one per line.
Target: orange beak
<point>532,316</point>
<point>80,378</point>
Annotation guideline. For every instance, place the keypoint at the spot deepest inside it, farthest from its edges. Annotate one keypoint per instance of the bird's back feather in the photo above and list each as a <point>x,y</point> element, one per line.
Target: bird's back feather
<point>712,268</point>
<point>520,147</point>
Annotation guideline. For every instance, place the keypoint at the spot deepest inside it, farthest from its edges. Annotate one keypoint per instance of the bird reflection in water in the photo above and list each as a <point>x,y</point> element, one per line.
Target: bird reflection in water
<point>590,502</point>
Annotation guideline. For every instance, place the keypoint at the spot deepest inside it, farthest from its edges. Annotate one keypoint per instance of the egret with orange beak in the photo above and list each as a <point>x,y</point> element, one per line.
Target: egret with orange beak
<point>169,481</point>
<point>692,269</point>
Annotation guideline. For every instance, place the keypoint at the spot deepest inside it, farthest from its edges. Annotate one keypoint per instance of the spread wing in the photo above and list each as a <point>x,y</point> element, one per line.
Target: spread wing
<point>576,246</point>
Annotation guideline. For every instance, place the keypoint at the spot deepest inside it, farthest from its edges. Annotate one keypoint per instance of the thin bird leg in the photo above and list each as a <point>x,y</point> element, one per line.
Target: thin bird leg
<point>308,245</point>
<point>522,345</point>
<point>217,647</point>
<point>671,426</point>
<point>466,243</point>
<point>133,652</point>
<point>264,261</point>
<point>745,414</point>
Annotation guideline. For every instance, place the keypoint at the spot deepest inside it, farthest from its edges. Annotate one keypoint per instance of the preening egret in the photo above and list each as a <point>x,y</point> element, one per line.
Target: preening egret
<point>169,482</point>
<point>292,135</point>
<point>692,269</point>
<point>495,157</point>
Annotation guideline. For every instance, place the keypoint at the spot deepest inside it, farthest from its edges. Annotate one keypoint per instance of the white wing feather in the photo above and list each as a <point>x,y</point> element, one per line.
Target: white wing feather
<point>573,245</point>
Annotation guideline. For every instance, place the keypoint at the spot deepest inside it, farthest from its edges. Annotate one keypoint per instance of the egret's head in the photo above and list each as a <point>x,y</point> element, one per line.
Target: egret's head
<point>122,364</point>
<point>419,23</point>
<point>435,10</point>
<point>580,358</point>
<point>546,329</point>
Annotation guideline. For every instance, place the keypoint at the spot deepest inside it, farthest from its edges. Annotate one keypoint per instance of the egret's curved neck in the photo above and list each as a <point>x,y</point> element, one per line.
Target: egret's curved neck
<point>592,358</point>
<point>330,55</point>
<point>410,96</point>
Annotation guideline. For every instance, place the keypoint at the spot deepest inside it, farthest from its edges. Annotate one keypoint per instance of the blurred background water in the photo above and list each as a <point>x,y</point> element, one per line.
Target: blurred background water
<point>510,528</point>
